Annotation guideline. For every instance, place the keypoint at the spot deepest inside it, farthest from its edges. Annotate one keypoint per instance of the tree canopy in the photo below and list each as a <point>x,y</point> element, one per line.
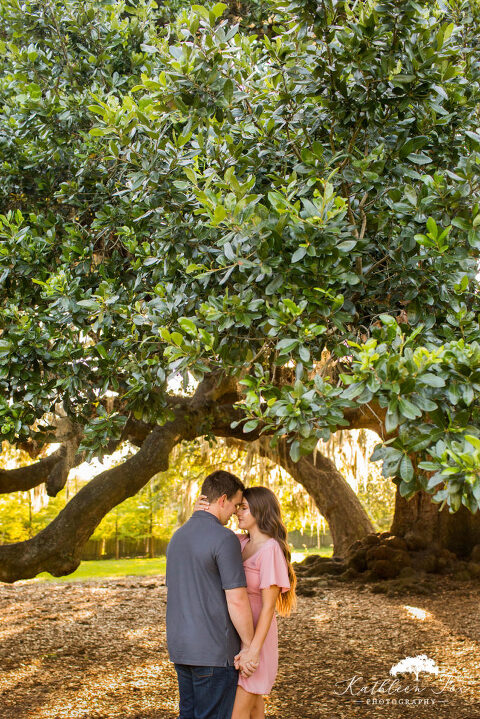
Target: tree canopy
<point>284,216</point>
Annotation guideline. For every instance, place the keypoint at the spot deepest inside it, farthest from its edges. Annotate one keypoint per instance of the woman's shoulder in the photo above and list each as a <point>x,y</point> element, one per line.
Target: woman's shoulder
<point>269,548</point>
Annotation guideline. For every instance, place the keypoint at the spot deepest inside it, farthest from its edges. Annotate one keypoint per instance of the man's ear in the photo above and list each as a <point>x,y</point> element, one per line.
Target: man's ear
<point>222,499</point>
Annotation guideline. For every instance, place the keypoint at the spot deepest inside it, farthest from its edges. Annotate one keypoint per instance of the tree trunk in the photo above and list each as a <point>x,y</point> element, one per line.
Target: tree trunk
<point>420,520</point>
<point>332,494</point>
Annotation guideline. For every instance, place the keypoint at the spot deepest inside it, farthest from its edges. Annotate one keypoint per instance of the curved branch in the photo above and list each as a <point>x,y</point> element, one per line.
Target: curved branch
<point>23,478</point>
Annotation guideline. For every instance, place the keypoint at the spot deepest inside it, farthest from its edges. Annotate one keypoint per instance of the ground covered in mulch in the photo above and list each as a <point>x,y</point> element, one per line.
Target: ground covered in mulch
<point>97,650</point>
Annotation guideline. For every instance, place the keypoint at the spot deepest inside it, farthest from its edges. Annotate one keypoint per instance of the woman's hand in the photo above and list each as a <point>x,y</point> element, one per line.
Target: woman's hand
<point>247,661</point>
<point>201,503</point>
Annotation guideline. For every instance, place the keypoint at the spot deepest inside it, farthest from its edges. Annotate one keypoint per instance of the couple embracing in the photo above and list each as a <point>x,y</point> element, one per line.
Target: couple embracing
<point>223,589</point>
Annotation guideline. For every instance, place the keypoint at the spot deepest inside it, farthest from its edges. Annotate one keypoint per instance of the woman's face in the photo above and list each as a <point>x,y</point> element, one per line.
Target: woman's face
<point>246,519</point>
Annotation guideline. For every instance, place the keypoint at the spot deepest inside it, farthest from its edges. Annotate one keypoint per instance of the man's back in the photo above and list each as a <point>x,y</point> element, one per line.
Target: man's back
<point>203,560</point>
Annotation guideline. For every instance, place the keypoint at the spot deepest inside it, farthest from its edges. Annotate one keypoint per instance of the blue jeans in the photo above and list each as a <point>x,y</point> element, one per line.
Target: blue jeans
<point>206,692</point>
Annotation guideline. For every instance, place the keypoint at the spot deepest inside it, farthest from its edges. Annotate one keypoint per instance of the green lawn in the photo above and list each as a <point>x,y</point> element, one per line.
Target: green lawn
<point>110,568</point>
<point>140,567</point>
<point>299,555</point>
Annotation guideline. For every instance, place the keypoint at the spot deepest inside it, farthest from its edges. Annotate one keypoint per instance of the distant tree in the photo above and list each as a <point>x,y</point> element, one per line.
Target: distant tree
<point>287,219</point>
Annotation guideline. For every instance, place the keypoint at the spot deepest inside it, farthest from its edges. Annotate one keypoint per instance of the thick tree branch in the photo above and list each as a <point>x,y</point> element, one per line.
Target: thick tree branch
<point>23,478</point>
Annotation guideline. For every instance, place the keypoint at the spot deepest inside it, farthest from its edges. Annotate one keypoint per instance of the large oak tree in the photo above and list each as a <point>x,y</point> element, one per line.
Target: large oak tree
<point>216,229</point>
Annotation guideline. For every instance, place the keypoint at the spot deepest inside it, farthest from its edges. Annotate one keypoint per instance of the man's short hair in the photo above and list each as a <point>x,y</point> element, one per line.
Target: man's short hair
<point>220,482</point>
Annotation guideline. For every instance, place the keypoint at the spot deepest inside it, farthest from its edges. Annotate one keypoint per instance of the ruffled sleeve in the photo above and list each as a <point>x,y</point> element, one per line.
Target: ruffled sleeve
<point>273,567</point>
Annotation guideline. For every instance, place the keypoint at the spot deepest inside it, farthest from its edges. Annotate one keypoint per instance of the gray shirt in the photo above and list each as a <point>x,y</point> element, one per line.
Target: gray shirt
<point>203,560</point>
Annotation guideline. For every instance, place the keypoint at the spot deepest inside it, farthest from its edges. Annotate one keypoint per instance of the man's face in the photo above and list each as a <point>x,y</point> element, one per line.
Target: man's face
<point>229,506</point>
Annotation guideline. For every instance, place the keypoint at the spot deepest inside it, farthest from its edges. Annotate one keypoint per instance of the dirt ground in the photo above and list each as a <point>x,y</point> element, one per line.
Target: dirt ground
<point>97,650</point>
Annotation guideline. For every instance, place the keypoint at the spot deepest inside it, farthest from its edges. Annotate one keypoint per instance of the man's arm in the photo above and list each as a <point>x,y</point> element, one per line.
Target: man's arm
<point>241,616</point>
<point>240,613</point>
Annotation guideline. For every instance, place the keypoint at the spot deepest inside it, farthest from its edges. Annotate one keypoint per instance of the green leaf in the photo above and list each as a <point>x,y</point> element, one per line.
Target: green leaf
<point>287,345</point>
<point>191,174</point>
<point>295,451</point>
<point>435,480</point>
<point>176,338</point>
<point>304,353</point>
<point>218,9</point>
<point>299,254</point>
<point>408,409</point>
<point>388,320</point>
<point>406,468</point>
<point>274,285</point>
<point>432,227</point>
<point>228,90</point>
<point>228,251</point>
<point>346,246</point>
<point>100,131</point>
<point>101,350</point>
<point>89,304</point>
<point>474,441</point>
<point>353,391</point>
<point>424,403</point>
<point>391,421</point>
<point>473,136</point>
<point>420,159</point>
<point>414,143</point>
<point>5,347</point>
<point>428,466</point>
<point>188,325</point>
<point>405,489</point>
<point>432,380</point>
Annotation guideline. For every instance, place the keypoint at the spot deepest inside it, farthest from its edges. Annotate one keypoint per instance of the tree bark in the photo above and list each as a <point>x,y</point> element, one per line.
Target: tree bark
<point>420,519</point>
<point>332,494</point>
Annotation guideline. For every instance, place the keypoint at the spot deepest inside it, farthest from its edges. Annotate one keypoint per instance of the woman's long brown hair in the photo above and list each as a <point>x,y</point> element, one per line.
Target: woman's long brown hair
<point>265,508</point>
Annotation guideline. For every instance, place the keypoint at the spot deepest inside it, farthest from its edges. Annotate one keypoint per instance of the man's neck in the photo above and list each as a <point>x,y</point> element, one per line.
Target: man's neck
<point>214,510</point>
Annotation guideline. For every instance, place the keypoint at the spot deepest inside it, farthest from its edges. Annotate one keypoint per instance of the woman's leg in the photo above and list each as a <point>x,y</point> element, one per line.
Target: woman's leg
<point>258,711</point>
<point>244,703</point>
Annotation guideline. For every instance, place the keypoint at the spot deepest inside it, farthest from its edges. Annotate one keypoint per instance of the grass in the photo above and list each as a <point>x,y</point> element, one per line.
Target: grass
<point>98,569</point>
<point>141,567</point>
<point>298,555</point>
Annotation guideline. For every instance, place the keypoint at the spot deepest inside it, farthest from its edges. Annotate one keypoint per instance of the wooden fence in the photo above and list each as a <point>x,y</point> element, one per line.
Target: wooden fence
<point>309,539</point>
<point>122,548</point>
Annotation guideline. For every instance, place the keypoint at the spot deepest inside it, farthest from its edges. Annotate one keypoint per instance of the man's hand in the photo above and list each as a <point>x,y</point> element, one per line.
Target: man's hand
<point>247,661</point>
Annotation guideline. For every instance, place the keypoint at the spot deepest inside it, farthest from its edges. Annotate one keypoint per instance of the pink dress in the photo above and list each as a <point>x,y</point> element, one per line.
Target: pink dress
<point>266,567</point>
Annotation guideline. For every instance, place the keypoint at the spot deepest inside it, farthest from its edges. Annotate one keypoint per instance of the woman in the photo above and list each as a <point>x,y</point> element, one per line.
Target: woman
<point>270,583</point>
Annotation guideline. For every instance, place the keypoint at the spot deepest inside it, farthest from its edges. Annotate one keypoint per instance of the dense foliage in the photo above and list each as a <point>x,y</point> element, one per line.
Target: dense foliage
<point>297,206</point>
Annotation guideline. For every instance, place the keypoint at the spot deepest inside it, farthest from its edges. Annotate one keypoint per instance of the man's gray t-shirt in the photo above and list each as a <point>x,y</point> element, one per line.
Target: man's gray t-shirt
<point>203,560</point>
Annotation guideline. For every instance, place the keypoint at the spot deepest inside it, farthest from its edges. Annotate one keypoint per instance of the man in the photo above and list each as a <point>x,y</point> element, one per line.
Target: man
<point>208,612</point>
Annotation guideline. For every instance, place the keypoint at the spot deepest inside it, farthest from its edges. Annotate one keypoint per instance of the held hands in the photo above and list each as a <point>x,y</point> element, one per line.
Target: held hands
<point>201,503</point>
<point>247,661</point>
